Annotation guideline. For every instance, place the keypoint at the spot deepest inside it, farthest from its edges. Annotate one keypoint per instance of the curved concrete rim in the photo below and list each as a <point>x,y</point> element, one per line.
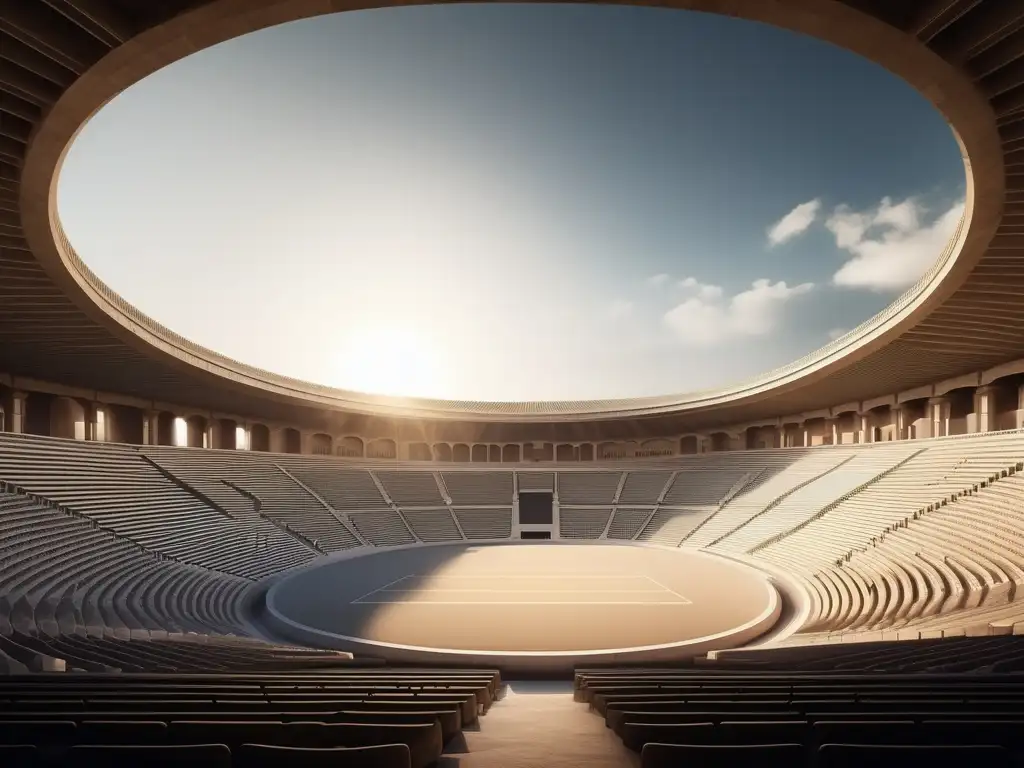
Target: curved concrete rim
<point>530,660</point>
<point>948,89</point>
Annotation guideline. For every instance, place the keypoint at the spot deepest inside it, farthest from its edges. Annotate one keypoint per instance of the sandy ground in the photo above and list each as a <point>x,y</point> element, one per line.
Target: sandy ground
<point>538,597</point>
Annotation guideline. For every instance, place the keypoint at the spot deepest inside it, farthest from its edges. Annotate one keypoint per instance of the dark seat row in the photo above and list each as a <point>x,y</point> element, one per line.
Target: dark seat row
<point>827,756</point>
<point>205,755</point>
<point>681,716</point>
<point>638,732</point>
<point>59,715</point>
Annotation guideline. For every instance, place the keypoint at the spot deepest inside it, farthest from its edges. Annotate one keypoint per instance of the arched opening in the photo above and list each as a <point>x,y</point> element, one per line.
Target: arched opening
<point>479,454</point>
<point>792,435</point>
<point>68,419</point>
<point>494,454</point>
<point>587,452</point>
<point>195,431</point>
<point>656,447</point>
<point>611,450</point>
<point>321,444</point>
<point>291,440</point>
<point>166,429</point>
<point>123,423</point>
<point>351,447</point>
<point>720,441</point>
<point>441,452</point>
<point>36,417</point>
<point>817,432</point>
<point>1003,400</point>
<point>689,445</point>
<point>881,424</point>
<point>961,406</point>
<point>419,452</point>
<point>912,419</point>
<point>259,437</point>
<point>565,452</point>
<point>510,454</point>
<point>460,453</point>
<point>224,433</point>
<point>382,448</point>
<point>846,428</point>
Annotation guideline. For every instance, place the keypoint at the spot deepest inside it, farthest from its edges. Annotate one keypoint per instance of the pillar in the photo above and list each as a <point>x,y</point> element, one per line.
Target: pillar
<point>899,418</point>
<point>938,416</point>
<point>866,433</point>
<point>150,428</point>
<point>18,411</point>
<point>91,412</point>
<point>984,410</point>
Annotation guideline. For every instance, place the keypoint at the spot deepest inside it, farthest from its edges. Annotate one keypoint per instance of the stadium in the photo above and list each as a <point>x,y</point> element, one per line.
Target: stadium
<point>819,566</point>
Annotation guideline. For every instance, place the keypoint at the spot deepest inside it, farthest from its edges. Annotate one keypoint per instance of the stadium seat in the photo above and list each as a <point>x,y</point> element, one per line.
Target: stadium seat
<point>900,756</point>
<point>656,755</point>
<point>162,756</point>
<point>380,756</point>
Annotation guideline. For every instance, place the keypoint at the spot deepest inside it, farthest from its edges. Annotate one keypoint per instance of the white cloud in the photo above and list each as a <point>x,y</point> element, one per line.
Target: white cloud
<point>890,247</point>
<point>657,280</point>
<point>757,311</point>
<point>794,223</point>
<point>704,291</point>
<point>835,333</point>
<point>620,308</point>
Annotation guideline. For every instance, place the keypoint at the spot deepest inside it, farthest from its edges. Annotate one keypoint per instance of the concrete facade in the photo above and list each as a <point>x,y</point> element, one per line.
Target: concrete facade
<point>938,410</point>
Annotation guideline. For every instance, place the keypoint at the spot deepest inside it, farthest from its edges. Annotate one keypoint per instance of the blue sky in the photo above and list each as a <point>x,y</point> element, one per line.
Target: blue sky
<point>506,202</point>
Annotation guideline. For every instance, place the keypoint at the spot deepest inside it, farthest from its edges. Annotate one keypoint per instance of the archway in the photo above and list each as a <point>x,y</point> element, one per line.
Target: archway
<point>259,437</point>
<point>123,423</point>
<point>351,447</point>
<point>460,453</point>
<point>720,441</point>
<point>689,445</point>
<point>195,431</point>
<point>442,452</point>
<point>321,444</point>
<point>479,454</point>
<point>68,419</point>
<point>382,448</point>
<point>291,440</point>
<point>510,454</point>
<point>166,427</point>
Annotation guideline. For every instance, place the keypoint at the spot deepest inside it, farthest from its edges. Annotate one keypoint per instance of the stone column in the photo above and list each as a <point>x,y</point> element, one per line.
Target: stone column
<point>984,409</point>
<point>938,416</point>
<point>18,412</point>
<point>150,428</point>
<point>866,433</point>
<point>899,418</point>
<point>91,413</point>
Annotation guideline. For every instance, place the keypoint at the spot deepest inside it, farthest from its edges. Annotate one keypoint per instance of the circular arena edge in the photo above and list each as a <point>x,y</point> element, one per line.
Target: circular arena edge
<point>765,619</point>
<point>948,87</point>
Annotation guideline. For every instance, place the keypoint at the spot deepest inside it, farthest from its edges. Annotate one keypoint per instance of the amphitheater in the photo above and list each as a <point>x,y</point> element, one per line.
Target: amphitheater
<point>823,565</point>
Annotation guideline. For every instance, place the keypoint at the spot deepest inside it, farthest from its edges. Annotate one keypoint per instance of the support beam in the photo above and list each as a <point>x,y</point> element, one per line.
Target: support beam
<point>51,34</point>
<point>98,18</point>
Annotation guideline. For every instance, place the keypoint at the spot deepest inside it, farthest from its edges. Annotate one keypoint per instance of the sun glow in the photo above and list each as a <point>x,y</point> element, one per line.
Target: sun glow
<point>389,361</point>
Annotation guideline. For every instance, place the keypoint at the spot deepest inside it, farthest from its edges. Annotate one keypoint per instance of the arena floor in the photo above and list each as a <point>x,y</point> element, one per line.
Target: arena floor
<point>528,598</point>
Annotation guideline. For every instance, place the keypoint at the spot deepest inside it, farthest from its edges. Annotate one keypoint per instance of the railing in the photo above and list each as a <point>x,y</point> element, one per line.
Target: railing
<point>207,358</point>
